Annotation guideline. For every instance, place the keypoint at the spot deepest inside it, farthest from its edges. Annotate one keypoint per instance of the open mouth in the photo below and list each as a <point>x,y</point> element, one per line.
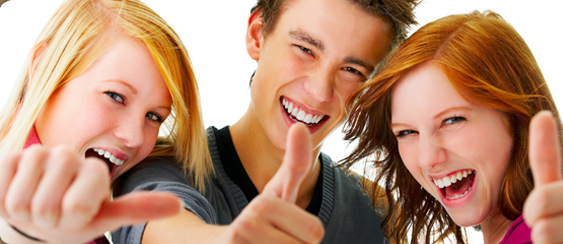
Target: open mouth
<point>111,161</point>
<point>297,114</point>
<point>456,185</point>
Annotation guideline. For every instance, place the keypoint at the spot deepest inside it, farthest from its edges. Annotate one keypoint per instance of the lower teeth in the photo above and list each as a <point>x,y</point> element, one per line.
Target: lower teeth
<point>459,196</point>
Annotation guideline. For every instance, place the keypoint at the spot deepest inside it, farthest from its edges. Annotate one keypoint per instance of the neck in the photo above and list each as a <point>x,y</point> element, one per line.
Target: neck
<point>495,227</point>
<point>261,159</point>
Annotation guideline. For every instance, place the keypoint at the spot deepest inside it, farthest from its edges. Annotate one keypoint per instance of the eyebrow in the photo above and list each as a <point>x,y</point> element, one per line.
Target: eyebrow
<point>133,89</point>
<point>303,36</point>
<point>440,114</point>
<point>437,115</point>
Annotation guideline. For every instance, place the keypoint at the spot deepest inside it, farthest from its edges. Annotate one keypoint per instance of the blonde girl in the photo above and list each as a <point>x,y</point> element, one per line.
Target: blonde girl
<point>100,80</point>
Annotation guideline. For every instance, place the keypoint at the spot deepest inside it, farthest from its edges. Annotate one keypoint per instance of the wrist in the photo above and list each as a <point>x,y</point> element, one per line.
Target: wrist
<point>25,235</point>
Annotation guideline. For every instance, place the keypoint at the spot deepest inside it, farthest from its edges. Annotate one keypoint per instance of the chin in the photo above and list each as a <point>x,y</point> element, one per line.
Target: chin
<point>466,218</point>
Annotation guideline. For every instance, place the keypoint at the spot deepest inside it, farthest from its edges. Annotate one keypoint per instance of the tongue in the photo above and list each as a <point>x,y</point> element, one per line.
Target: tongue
<point>460,187</point>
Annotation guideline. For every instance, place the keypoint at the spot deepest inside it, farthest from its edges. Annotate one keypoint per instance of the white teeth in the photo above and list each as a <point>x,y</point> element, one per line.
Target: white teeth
<point>295,112</point>
<point>439,183</point>
<point>109,156</point>
<point>459,196</point>
<point>308,118</point>
<point>300,114</point>
<point>449,180</point>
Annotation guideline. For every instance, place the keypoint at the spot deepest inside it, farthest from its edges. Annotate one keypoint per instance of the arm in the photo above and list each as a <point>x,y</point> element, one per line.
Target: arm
<point>272,217</point>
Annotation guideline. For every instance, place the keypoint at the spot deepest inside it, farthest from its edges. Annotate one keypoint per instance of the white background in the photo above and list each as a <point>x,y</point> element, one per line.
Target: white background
<point>213,32</point>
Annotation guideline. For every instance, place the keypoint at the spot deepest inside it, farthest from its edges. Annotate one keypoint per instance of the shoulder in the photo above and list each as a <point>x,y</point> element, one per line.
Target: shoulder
<point>150,170</point>
<point>352,212</point>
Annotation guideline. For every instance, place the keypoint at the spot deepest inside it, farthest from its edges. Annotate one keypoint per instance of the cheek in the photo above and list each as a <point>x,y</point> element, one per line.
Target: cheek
<point>150,136</point>
<point>408,156</point>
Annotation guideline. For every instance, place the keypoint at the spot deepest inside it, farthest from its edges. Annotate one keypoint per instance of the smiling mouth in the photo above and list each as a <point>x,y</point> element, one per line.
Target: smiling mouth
<point>111,161</point>
<point>297,114</point>
<point>457,185</point>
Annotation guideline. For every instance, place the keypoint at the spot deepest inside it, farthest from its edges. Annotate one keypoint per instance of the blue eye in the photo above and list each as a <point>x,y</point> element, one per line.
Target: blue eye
<point>306,50</point>
<point>115,96</point>
<point>154,117</point>
<point>453,120</point>
<point>404,133</point>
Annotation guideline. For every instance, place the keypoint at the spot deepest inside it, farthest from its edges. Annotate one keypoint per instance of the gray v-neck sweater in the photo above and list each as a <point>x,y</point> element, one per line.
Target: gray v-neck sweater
<point>345,210</point>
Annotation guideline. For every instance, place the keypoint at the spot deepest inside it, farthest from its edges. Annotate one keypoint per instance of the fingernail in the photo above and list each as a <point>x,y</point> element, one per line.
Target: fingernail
<point>546,112</point>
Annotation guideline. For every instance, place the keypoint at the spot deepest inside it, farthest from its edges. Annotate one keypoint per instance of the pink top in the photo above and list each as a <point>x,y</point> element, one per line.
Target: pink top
<point>518,233</point>
<point>32,139</point>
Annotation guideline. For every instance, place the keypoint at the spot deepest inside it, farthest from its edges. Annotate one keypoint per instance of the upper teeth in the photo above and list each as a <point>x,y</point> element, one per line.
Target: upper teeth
<point>449,180</point>
<point>299,114</point>
<point>108,155</point>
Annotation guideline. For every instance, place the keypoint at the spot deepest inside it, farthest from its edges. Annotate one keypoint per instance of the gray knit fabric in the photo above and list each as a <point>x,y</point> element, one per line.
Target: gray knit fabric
<point>345,211</point>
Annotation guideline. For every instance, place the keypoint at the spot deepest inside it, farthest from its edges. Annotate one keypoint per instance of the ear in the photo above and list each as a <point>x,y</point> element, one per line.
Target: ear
<point>37,56</point>
<point>254,36</point>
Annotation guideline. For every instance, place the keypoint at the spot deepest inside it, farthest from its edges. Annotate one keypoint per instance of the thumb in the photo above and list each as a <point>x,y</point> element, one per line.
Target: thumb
<point>545,149</point>
<point>295,166</point>
<point>135,208</point>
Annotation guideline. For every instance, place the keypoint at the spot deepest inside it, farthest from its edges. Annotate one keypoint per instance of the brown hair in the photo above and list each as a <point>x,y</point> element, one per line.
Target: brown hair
<point>487,61</point>
<point>397,12</point>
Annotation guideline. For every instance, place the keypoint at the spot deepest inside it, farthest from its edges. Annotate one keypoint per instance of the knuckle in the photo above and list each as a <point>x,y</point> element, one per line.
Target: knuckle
<point>43,209</point>
<point>315,231</point>
<point>239,230</point>
<point>45,214</point>
<point>63,157</point>
<point>17,207</point>
<point>544,231</point>
<point>261,205</point>
<point>78,209</point>
<point>96,166</point>
<point>10,158</point>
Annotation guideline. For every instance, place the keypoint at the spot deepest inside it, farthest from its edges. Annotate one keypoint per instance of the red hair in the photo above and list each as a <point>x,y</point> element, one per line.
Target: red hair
<point>489,63</point>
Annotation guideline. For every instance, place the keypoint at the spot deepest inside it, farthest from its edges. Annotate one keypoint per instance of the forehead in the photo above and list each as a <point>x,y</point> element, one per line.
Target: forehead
<point>425,89</point>
<point>337,24</point>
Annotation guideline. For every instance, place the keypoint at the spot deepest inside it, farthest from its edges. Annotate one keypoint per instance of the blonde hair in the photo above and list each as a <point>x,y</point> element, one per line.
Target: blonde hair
<point>74,38</point>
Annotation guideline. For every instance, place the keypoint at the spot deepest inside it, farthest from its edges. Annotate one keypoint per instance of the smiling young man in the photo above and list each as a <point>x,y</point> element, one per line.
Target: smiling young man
<point>311,55</point>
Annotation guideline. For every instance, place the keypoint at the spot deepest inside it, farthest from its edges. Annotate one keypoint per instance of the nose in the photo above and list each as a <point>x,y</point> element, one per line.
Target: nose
<point>131,131</point>
<point>320,85</point>
<point>430,152</point>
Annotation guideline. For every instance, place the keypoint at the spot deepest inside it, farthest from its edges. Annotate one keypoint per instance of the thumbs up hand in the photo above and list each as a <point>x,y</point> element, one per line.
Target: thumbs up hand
<point>273,217</point>
<point>296,165</point>
<point>543,210</point>
<point>53,195</point>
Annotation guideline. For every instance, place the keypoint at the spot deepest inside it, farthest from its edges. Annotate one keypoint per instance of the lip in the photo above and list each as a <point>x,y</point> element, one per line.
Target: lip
<point>440,176</point>
<point>118,154</point>
<point>289,121</point>
<point>454,203</point>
